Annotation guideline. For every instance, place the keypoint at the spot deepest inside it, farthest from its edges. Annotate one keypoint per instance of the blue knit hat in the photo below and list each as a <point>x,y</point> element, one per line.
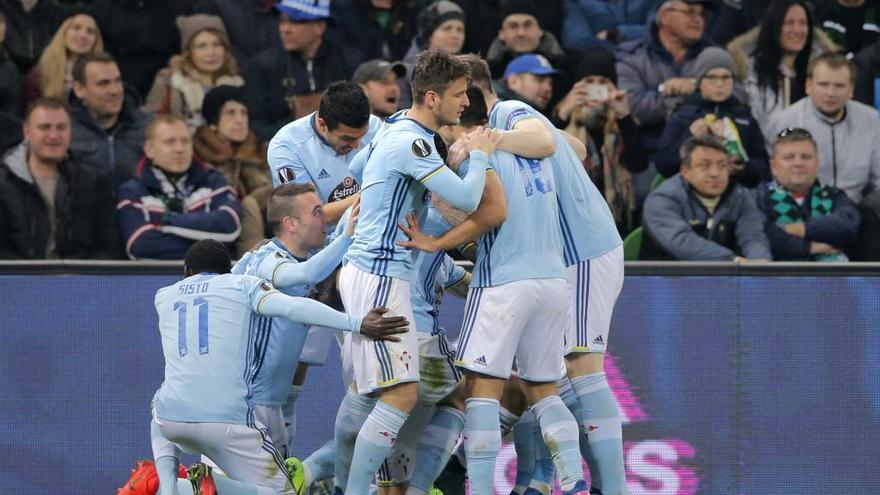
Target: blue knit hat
<point>305,10</point>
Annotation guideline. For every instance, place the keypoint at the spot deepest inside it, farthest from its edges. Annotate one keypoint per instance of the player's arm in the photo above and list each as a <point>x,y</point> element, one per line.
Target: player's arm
<point>459,279</point>
<point>333,211</point>
<point>310,312</point>
<point>529,138</point>
<point>464,193</point>
<point>576,144</point>
<point>319,266</point>
<point>491,213</point>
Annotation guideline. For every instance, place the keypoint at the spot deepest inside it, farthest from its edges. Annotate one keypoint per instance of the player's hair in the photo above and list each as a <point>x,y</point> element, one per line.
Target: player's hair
<point>160,119</point>
<point>47,103</point>
<point>344,103</point>
<point>79,67</point>
<point>833,60</point>
<point>207,255</point>
<point>435,70</point>
<point>476,112</point>
<point>706,141</point>
<point>281,205</point>
<point>481,75</point>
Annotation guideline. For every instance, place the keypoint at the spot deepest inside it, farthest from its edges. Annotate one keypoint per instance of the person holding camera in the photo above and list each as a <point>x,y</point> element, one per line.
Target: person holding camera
<point>174,200</point>
<point>598,113</point>
<point>714,110</point>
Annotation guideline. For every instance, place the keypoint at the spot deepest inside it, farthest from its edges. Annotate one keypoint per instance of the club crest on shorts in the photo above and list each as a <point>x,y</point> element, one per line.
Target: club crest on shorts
<point>266,287</point>
<point>421,148</point>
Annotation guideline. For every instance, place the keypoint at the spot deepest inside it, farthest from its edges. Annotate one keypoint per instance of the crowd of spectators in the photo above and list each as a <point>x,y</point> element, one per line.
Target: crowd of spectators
<point>715,129</point>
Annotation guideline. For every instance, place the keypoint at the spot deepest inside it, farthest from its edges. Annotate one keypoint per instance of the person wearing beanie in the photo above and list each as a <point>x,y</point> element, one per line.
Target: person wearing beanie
<point>205,61</point>
<point>598,114</point>
<point>226,143</point>
<point>440,25</point>
<point>714,110</point>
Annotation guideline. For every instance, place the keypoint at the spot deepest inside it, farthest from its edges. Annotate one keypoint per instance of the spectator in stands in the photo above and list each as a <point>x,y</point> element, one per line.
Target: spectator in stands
<point>604,23</point>
<point>714,110</point>
<point>52,77</point>
<point>287,81</point>
<point>773,57</point>
<point>848,132</point>
<point>734,18</point>
<point>374,28</point>
<point>803,218</point>
<point>380,81</point>
<point>699,214</point>
<point>227,144</point>
<point>108,131</point>
<point>10,131</point>
<point>141,36</point>
<point>28,30</point>
<point>254,223</point>
<point>868,75</point>
<point>483,20</point>
<point>851,24</point>
<point>598,114</point>
<point>528,78</point>
<point>440,26</point>
<point>205,61</point>
<point>10,78</point>
<point>51,206</point>
<point>657,70</point>
<point>174,200</point>
<point>252,24</point>
<point>521,33</point>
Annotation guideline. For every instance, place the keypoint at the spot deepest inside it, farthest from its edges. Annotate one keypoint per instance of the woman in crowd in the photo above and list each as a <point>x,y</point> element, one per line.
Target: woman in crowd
<point>774,56</point>
<point>714,110</point>
<point>205,62</point>
<point>440,26</point>
<point>52,76</point>
<point>226,143</point>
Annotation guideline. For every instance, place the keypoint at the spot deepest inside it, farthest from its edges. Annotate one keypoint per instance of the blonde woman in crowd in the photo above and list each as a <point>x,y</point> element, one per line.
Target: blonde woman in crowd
<point>205,62</point>
<point>52,76</point>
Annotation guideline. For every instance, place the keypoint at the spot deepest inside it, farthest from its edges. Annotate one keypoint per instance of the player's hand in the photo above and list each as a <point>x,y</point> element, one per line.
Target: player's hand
<point>457,154</point>
<point>352,219</point>
<point>482,139</point>
<point>377,327</point>
<point>418,240</point>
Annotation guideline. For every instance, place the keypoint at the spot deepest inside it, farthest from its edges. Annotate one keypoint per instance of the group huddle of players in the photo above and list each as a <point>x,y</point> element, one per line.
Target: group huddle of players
<point>458,167</point>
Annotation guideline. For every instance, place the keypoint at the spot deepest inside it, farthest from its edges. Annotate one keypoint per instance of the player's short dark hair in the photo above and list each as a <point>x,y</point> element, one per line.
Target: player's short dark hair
<point>47,103</point>
<point>280,203</point>
<point>692,143</point>
<point>344,103</point>
<point>207,255</point>
<point>79,67</point>
<point>481,75</point>
<point>476,112</point>
<point>436,70</point>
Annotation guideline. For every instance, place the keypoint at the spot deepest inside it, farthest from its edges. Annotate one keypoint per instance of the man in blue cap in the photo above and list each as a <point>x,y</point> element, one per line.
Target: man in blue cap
<point>528,78</point>
<point>286,82</point>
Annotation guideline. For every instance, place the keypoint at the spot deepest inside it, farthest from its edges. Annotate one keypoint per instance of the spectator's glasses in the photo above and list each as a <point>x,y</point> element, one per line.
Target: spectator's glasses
<point>796,132</point>
<point>725,78</point>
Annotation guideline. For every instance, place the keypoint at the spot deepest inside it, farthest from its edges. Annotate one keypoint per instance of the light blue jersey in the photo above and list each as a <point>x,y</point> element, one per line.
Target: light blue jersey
<point>210,334</point>
<point>402,165</point>
<point>294,277</point>
<point>433,273</point>
<point>528,245</point>
<point>587,225</point>
<point>297,153</point>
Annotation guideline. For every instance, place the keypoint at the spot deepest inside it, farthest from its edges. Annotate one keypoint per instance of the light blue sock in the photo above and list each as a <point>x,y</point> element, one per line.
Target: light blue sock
<point>229,486</point>
<point>523,442</point>
<point>166,468</point>
<point>289,410</point>
<point>183,487</point>
<point>321,464</point>
<point>398,467</point>
<point>372,446</point>
<point>349,419</point>
<point>482,442</point>
<point>569,397</point>
<point>436,445</point>
<point>560,431</point>
<point>543,471</point>
<point>507,420</point>
<point>600,418</point>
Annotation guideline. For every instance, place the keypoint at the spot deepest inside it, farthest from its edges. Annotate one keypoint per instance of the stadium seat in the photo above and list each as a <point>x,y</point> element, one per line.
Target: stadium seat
<point>633,244</point>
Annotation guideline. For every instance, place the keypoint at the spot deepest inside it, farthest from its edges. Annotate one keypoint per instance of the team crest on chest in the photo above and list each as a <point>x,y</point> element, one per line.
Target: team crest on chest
<point>421,148</point>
